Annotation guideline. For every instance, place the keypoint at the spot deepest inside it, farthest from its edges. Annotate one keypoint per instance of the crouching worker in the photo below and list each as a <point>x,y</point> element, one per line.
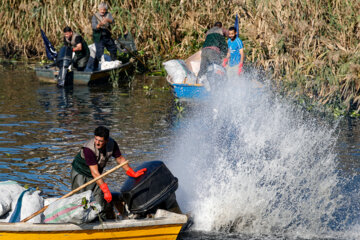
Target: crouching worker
<point>79,46</point>
<point>214,49</point>
<point>90,162</point>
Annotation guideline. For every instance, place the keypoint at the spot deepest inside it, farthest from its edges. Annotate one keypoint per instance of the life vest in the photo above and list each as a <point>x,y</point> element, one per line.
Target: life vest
<point>79,163</point>
<point>100,157</point>
<point>85,52</point>
<point>99,18</point>
<point>72,40</point>
<point>103,30</point>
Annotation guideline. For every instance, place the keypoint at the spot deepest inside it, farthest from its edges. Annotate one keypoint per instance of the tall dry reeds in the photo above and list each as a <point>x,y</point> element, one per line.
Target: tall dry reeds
<point>311,46</point>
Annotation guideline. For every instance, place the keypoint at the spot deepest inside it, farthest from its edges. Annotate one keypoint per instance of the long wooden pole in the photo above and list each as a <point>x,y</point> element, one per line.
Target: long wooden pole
<point>77,189</point>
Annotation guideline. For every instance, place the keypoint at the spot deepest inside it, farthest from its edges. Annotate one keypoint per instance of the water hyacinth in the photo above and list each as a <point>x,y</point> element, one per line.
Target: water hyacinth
<point>311,47</point>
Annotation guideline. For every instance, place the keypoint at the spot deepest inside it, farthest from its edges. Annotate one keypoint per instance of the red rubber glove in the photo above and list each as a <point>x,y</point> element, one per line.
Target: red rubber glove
<point>225,62</point>
<point>107,194</point>
<point>240,68</point>
<point>131,172</point>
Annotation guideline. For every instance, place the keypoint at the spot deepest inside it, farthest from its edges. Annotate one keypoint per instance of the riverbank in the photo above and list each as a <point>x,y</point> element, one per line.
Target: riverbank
<point>311,47</point>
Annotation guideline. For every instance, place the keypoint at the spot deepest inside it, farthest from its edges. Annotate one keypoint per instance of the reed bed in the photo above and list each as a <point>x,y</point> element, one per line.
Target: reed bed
<point>311,47</point>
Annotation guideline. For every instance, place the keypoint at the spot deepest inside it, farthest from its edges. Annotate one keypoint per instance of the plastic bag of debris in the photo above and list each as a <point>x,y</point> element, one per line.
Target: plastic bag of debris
<point>79,208</point>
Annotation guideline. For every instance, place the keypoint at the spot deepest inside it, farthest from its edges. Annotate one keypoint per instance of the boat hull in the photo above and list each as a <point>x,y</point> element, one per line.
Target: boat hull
<point>151,232</point>
<point>48,75</point>
<point>185,90</point>
<point>189,91</point>
<point>167,227</point>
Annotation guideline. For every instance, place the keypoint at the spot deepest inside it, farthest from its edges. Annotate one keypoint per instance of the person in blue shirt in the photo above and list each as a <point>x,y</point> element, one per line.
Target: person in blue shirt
<point>235,56</point>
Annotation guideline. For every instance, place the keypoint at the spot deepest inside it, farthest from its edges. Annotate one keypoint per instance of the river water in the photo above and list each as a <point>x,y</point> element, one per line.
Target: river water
<point>250,164</point>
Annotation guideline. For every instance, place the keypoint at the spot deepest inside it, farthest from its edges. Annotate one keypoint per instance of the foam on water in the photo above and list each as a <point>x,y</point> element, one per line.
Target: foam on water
<point>252,163</point>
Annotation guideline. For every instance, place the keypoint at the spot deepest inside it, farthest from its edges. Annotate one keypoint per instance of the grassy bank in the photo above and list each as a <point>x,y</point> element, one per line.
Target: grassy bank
<point>311,46</point>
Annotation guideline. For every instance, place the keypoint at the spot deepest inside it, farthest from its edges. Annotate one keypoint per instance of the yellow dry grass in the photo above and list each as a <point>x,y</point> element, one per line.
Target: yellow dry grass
<point>311,46</point>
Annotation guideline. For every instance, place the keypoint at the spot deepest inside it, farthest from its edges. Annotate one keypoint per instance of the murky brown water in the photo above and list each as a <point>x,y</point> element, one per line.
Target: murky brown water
<point>42,128</point>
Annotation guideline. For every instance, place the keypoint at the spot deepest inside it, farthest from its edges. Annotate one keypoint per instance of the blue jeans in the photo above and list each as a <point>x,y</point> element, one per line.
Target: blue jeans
<point>109,44</point>
<point>209,56</point>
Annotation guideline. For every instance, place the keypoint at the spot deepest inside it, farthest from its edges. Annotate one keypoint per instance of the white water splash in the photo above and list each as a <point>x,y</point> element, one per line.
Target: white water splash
<point>252,163</point>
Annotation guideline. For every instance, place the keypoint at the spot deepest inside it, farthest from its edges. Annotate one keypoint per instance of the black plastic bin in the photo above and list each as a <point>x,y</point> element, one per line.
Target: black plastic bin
<point>145,193</point>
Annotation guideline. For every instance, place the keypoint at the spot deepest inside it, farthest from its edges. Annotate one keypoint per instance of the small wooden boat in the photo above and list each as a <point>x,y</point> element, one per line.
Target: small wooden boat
<point>49,75</point>
<point>164,225</point>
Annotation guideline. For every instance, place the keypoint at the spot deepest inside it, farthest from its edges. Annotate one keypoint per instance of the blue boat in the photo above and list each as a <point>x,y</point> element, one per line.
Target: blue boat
<point>185,89</point>
<point>188,91</point>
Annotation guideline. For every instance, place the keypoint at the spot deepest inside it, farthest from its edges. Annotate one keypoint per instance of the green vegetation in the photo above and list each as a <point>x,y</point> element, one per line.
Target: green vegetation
<point>312,47</point>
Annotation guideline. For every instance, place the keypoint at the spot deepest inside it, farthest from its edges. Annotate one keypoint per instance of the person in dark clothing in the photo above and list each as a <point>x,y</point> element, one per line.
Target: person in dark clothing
<point>214,48</point>
<point>90,162</point>
<point>101,24</point>
<point>79,46</point>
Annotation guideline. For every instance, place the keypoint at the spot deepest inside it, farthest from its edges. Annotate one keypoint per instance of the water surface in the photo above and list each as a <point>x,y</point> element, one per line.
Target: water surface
<point>250,165</point>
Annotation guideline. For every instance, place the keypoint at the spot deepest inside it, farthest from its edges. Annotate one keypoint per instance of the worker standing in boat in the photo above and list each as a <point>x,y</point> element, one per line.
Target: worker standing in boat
<point>101,24</point>
<point>214,48</point>
<point>79,46</point>
<point>90,162</point>
<point>235,56</point>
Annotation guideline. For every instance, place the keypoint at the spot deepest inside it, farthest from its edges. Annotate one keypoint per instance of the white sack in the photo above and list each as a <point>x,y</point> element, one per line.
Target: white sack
<point>92,49</point>
<point>9,192</point>
<point>175,71</point>
<point>48,201</point>
<point>72,209</point>
<point>31,203</point>
<point>110,64</point>
<point>179,72</point>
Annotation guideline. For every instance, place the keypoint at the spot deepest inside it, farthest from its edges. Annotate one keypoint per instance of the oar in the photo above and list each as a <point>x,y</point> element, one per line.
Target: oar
<point>76,190</point>
<point>123,46</point>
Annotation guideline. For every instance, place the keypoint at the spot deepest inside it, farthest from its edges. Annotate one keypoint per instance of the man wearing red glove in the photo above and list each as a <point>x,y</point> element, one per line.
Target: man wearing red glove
<point>79,47</point>
<point>235,56</point>
<point>90,162</point>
